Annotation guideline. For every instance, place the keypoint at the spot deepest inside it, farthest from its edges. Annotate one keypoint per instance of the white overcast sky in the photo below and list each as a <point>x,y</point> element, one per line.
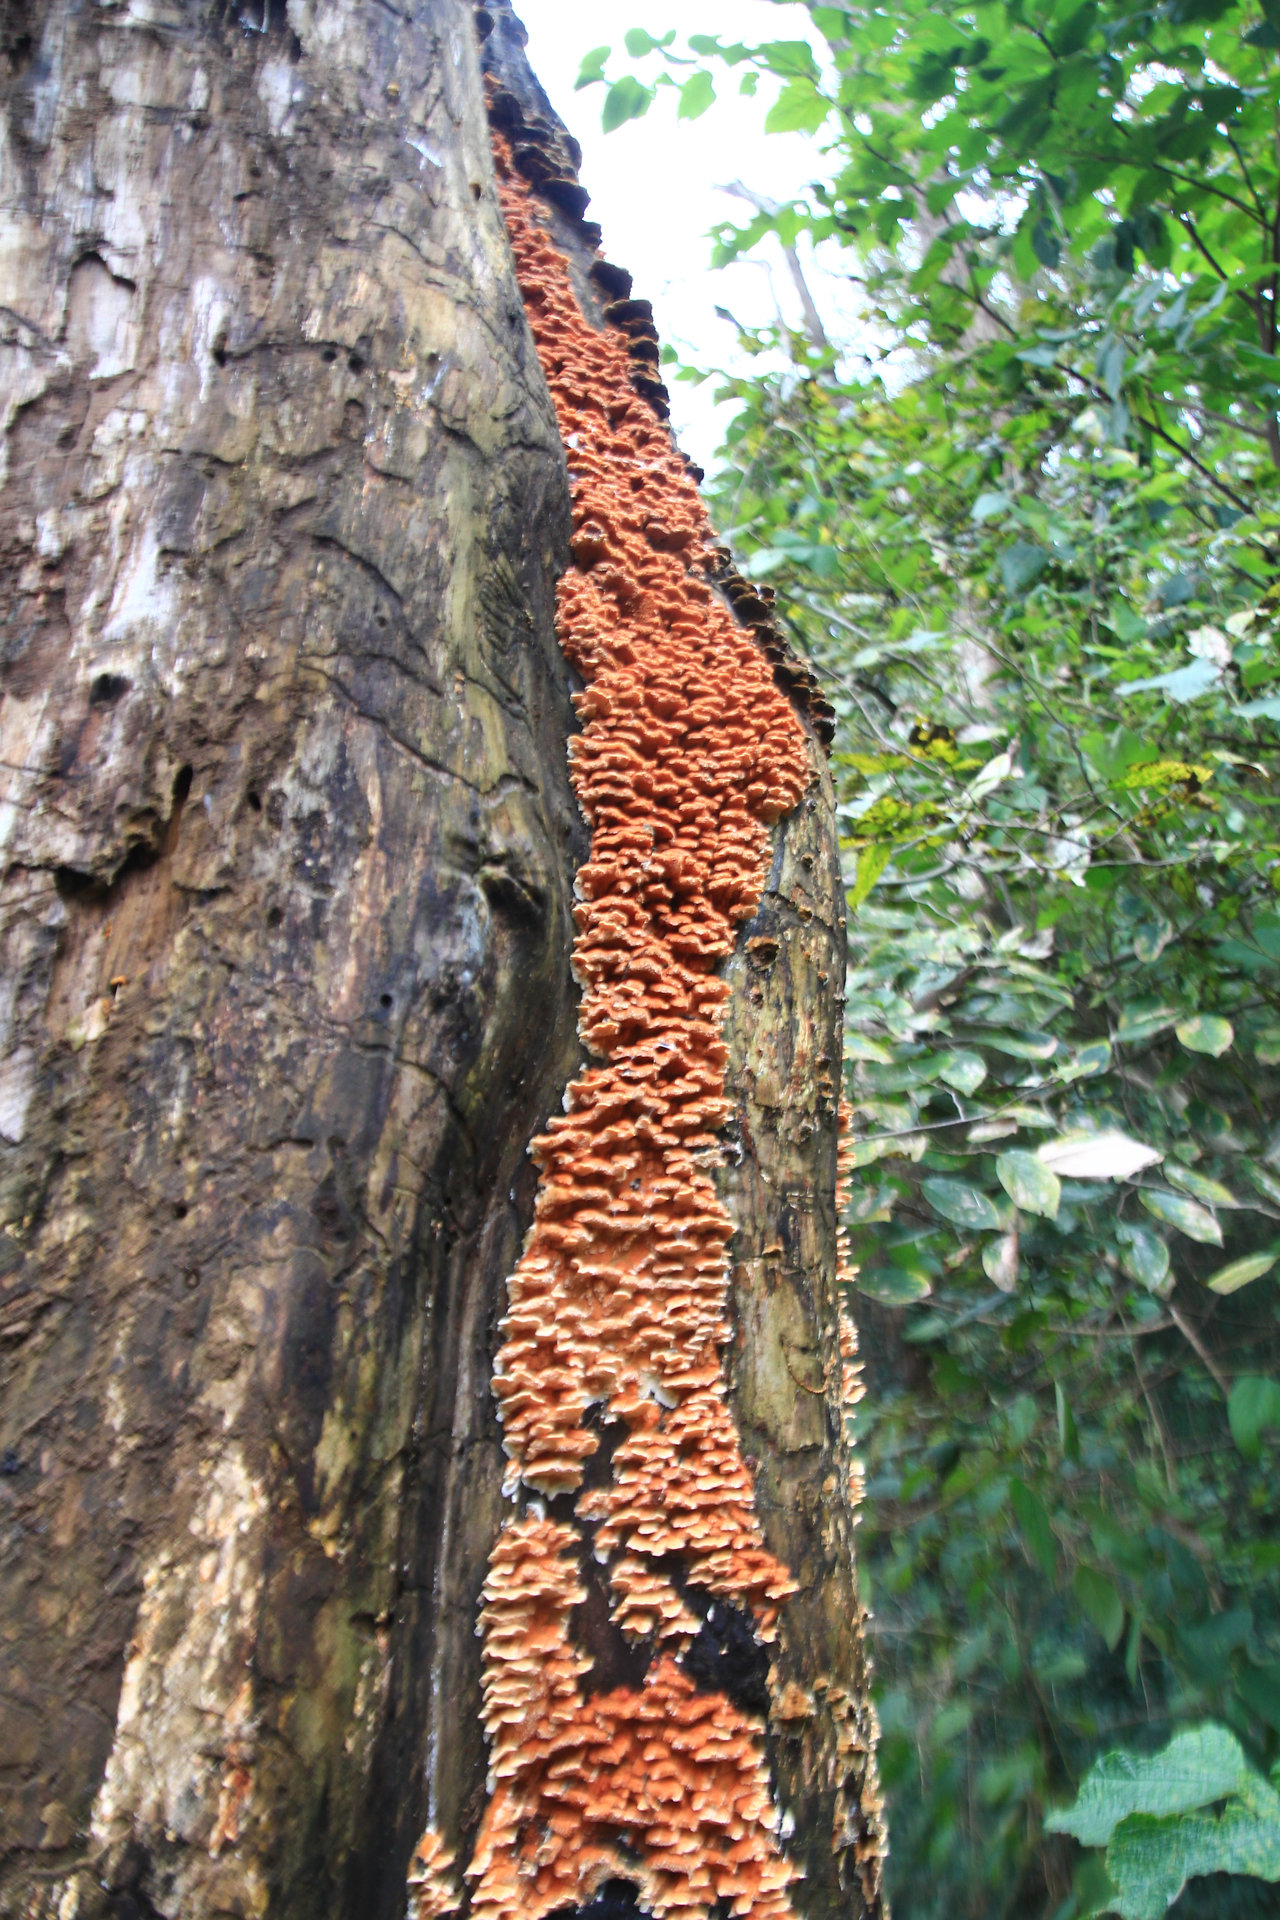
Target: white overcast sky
<point>655,183</point>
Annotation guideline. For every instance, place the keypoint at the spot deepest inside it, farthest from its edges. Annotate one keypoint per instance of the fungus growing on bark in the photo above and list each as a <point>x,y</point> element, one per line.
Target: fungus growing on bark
<point>661,1785</point>
<point>433,1890</point>
<point>688,752</point>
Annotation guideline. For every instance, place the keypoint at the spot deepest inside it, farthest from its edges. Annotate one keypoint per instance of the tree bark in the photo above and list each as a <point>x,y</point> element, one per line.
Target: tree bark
<point>289,849</point>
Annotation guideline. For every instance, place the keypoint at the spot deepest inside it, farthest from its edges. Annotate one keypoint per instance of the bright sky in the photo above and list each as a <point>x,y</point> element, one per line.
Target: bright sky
<point>655,183</point>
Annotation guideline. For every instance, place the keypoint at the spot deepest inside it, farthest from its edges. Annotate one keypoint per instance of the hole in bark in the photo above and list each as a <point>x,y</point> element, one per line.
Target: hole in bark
<point>727,1658</point>
<point>616,1900</point>
<point>9,1462</point>
<point>356,362</point>
<point>331,1211</point>
<point>254,801</point>
<point>218,350</point>
<point>385,1000</point>
<point>329,355</point>
<point>132,1906</point>
<point>263,16</point>
<point>526,905</point>
<point>616,1661</point>
<point>476,190</point>
<point>484,23</point>
<point>72,884</point>
<point>18,43</point>
<point>126,1899</point>
<point>179,1209</point>
<point>107,689</point>
<point>274,916</point>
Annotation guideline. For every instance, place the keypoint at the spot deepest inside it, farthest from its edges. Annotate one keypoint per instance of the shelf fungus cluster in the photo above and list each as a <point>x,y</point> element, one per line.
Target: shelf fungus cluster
<point>623,1453</point>
<point>434,1893</point>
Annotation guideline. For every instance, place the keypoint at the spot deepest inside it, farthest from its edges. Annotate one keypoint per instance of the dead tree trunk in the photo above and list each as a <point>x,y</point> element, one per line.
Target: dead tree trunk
<point>286,921</point>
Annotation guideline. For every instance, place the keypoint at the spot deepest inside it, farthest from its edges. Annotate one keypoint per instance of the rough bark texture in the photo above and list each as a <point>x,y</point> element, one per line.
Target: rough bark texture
<point>283,752</point>
<point>284,983</point>
<point>784,1034</point>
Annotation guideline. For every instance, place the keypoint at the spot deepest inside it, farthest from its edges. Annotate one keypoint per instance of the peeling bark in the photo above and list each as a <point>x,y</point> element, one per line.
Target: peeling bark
<point>284,976</point>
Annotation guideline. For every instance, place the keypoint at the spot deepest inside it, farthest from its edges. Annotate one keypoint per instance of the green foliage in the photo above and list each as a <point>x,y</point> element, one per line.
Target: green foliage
<point>1198,1807</point>
<point>1253,1407</point>
<point>1031,542</point>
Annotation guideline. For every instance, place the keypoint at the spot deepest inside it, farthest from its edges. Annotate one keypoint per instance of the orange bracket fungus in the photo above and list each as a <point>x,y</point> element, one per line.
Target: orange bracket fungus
<point>433,1889</point>
<point>688,751</point>
<point>633,1502</point>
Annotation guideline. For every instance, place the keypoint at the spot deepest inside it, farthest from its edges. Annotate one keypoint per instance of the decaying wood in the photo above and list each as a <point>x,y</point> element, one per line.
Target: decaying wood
<point>284,942</point>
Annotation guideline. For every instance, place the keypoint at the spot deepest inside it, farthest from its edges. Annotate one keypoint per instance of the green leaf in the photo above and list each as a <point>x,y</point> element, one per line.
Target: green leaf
<point>1110,366</point>
<point>963,1205</point>
<point>988,505</point>
<point>1206,1033</point>
<point>1212,1192</point>
<point>1240,1272</point>
<point>638,42</point>
<point>865,1153</point>
<point>1075,31</point>
<point>1000,1261</point>
<point>895,1286</point>
<point>1184,683</point>
<point>1141,1019</point>
<point>625,100</point>
<point>1028,1184</point>
<point>1150,941</point>
<point>860,1046</point>
<point>1265,1182</point>
<point>799,108</point>
<point>1143,1255</point>
<point>1183,1214</point>
<point>1266,1047</point>
<point>696,95</point>
<point>1100,1603</point>
<point>1036,1528</point>
<point>1151,1860</point>
<point>1045,243</point>
<point>1022,1046</point>
<point>1259,1688</point>
<point>592,68</point>
<point>963,1070</point>
<point>1252,1408</point>
<point>1197,1767</point>
<point>1068,1436</point>
<point>1021,565</point>
<point>872,862</point>
<point>1086,1061</point>
<point>788,57</point>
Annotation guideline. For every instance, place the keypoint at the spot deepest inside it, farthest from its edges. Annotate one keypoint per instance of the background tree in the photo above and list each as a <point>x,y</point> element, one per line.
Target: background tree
<point>1030,537</point>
